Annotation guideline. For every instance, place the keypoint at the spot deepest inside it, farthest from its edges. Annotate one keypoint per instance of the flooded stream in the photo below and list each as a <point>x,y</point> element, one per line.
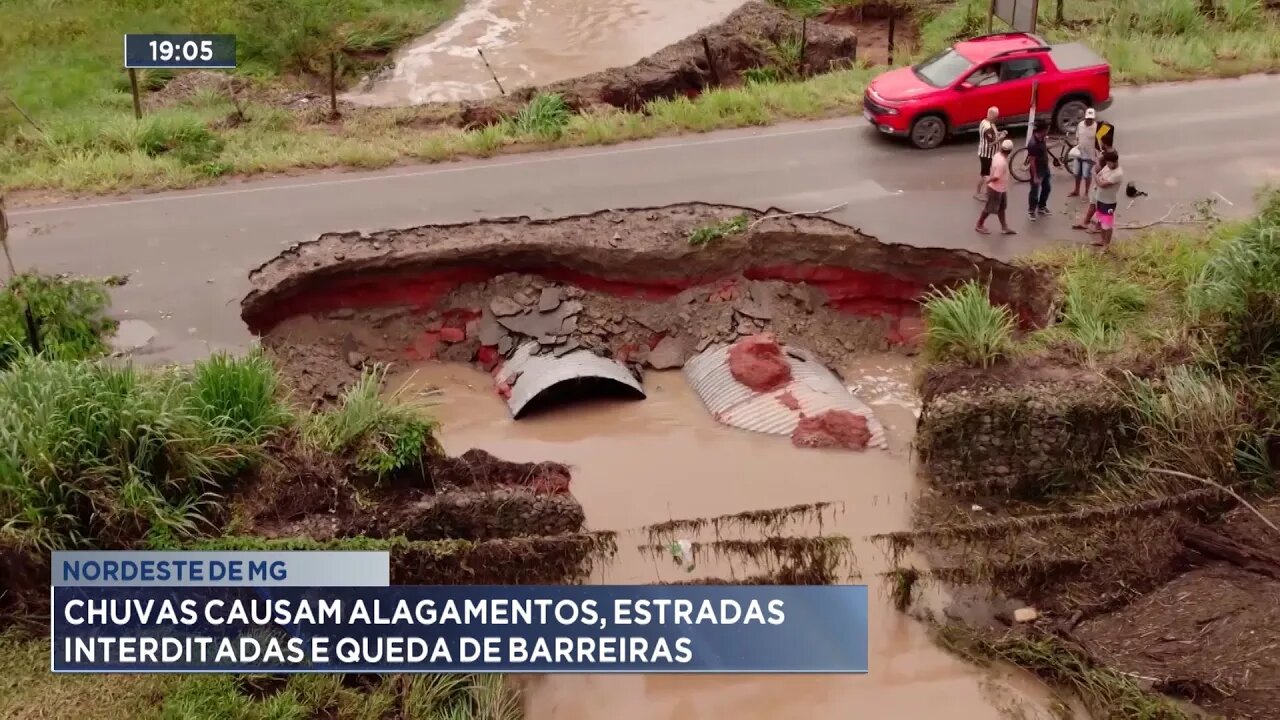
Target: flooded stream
<point>638,463</point>
<point>533,42</point>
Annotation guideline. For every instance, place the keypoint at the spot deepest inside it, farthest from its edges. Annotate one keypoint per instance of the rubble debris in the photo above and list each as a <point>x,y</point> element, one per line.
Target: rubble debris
<point>670,352</point>
<point>1025,615</point>
<point>502,306</point>
<point>549,300</point>
<point>757,362</point>
<point>490,332</point>
<point>833,429</point>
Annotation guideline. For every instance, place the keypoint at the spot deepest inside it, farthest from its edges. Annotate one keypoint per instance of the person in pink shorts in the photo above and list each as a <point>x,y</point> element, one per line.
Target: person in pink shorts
<point>1109,180</point>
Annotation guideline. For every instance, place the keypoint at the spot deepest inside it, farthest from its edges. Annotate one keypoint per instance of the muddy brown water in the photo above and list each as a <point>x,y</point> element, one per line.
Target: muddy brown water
<point>533,42</point>
<point>641,462</point>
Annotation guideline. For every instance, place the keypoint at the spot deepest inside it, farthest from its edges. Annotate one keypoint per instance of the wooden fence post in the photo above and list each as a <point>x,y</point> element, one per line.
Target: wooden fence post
<point>492,74</point>
<point>804,43</point>
<point>137,99</point>
<point>333,86</point>
<point>711,60</point>
<point>893,15</point>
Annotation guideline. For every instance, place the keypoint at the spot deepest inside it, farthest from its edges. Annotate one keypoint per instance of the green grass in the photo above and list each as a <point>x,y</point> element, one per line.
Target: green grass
<point>384,435</point>
<point>963,325</point>
<point>104,455</point>
<point>63,56</point>
<point>544,117</point>
<point>28,691</point>
<point>69,314</point>
<point>707,234</point>
<point>93,454</point>
<point>91,143</point>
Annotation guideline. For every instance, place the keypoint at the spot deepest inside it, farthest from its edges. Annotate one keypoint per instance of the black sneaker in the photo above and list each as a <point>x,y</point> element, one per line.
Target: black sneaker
<point>1033,216</point>
<point>1044,212</point>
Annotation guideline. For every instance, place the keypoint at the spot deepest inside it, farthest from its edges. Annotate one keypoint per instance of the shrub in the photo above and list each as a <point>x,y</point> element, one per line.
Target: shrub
<point>962,324</point>
<point>69,315</point>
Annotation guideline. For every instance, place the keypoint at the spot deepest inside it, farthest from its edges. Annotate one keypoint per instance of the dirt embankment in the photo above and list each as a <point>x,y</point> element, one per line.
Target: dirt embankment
<point>626,284</point>
<point>1168,582</point>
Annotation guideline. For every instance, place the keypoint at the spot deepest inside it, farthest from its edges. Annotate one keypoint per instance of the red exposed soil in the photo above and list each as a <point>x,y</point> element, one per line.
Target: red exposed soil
<point>620,282</point>
<point>757,362</point>
<point>833,429</point>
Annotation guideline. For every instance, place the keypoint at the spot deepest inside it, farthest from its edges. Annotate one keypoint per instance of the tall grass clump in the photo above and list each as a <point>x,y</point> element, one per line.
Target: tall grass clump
<point>1169,17</point>
<point>546,116</point>
<point>1236,297</point>
<point>1099,307</point>
<point>963,325</point>
<point>70,316</point>
<point>98,455</point>
<point>239,396</point>
<point>1191,420</point>
<point>1241,14</point>
<point>383,435</point>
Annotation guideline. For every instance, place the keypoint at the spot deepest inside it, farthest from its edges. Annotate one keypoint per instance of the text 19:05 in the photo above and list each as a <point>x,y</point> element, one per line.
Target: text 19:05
<point>164,51</point>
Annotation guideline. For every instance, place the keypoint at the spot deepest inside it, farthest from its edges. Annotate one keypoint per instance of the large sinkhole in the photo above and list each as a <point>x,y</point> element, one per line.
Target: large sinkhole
<point>581,307</point>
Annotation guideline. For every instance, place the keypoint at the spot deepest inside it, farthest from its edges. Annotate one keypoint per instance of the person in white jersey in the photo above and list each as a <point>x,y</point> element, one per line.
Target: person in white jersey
<point>989,137</point>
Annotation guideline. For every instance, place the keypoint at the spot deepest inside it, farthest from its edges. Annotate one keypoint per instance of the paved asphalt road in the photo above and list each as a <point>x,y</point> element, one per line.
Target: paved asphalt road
<point>188,252</point>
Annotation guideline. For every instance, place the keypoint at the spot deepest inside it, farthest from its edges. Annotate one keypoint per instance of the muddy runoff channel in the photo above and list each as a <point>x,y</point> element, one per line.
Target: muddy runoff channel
<point>454,307</point>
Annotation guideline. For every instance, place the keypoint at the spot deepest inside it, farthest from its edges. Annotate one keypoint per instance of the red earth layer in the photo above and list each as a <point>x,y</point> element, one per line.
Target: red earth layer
<point>757,362</point>
<point>837,429</point>
<point>857,292</point>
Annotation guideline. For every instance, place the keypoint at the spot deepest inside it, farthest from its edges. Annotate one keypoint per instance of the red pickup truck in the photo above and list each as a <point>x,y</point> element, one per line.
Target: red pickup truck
<point>950,92</point>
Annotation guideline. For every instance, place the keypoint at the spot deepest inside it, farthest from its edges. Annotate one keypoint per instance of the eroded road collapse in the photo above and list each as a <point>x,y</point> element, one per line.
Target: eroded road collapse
<point>773,300</point>
<point>797,300</point>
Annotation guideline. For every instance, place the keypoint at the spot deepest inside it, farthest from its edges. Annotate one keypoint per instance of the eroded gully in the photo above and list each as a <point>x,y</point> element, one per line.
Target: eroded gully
<point>638,463</point>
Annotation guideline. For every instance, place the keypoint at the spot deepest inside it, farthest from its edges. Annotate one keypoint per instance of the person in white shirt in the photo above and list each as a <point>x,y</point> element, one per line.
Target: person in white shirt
<point>1087,143</point>
<point>989,137</point>
<point>1109,181</point>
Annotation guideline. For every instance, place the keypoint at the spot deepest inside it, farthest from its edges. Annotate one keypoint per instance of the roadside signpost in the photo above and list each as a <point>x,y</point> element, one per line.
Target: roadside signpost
<point>1022,16</point>
<point>1019,14</point>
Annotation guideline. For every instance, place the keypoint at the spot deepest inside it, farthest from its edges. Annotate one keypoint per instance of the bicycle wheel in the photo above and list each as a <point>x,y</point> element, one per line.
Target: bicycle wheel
<point>1018,165</point>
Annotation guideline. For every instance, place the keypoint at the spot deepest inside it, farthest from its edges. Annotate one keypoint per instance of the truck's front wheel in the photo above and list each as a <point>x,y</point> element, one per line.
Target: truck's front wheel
<point>1069,115</point>
<point>928,132</point>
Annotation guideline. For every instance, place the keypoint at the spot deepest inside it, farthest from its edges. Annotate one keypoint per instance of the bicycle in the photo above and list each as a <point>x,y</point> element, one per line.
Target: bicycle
<point>1059,154</point>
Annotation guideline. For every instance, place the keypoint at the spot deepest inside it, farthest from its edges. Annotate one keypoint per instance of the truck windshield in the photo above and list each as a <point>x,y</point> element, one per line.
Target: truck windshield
<point>943,69</point>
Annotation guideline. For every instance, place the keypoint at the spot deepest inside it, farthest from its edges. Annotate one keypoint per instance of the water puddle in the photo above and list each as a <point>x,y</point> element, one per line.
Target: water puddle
<point>534,42</point>
<point>131,336</point>
<point>638,463</point>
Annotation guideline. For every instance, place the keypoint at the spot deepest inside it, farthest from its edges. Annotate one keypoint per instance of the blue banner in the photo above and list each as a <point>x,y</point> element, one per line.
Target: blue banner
<point>509,629</point>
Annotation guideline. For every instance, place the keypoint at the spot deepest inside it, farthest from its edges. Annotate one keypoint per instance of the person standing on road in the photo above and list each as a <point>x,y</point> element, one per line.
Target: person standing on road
<point>989,137</point>
<point>1087,142</point>
<point>1038,162</point>
<point>1109,181</point>
<point>997,191</point>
